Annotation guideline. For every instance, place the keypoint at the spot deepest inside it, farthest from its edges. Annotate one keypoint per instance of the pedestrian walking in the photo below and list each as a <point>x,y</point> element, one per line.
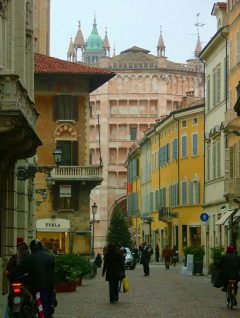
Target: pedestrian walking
<point>113,267</point>
<point>174,256</point>
<point>145,258</point>
<point>167,255</point>
<point>157,253</point>
<point>98,261</point>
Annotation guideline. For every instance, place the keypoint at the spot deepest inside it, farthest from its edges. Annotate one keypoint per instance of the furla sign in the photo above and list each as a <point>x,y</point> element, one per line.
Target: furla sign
<point>53,225</point>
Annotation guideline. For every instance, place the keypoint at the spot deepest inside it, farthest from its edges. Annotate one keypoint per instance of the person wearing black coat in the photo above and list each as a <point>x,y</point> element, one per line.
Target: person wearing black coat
<point>39,266</point>
<point>230,267</point>
<point>145,258</point>
<point>113,267</point>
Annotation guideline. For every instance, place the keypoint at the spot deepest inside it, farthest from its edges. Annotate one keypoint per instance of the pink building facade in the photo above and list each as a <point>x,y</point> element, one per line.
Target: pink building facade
<point>145,88</point>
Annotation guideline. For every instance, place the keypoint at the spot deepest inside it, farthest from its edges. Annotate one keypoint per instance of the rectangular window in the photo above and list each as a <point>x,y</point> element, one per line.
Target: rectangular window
<point>190,192</point>
<point>194,121</point>
<point>184,146</point>
<point>219,158</point>
<point>65,107</point>
<point>184,192</point>
<point>69,152</point>
<point>218,88</point>
<point>214,160</point>
<point>208,91</point>
<point>214,81</point>
<point>133,133</point>
<point>195,144</point>
<point>184,123</point>
<point>65,199</point>
<point>196,192</point>
<point>175,149</point>
<point>238,47</point>
<point>208,159</point>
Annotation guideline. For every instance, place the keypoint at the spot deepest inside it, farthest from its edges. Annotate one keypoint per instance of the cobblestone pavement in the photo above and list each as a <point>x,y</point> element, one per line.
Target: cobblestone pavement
<point>164,294</point>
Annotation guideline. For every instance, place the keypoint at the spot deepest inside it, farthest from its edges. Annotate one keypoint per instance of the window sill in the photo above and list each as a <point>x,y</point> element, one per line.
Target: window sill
<point>66,121</point>
<point>65,210</point>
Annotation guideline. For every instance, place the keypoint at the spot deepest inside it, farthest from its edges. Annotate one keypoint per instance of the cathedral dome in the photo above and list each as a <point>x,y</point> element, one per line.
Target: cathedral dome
<point>94,42</point>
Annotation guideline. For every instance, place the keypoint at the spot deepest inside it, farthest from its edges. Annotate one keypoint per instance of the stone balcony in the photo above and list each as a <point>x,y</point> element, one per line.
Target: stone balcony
<point>78,173</point>
<point>232,186</point>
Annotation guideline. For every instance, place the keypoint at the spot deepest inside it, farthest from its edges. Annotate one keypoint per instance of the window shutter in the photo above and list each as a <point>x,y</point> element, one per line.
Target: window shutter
<point>195,144</point>
<point>184,192</point>
<point>75,197</point>
<point>55,108</point>
<point>197,190</point>
<point>190,192</point>
<point>168,152</point>
<point>184,146</point>
<point>55,196</point>
<point>75,107</point>
<point>75,153</point>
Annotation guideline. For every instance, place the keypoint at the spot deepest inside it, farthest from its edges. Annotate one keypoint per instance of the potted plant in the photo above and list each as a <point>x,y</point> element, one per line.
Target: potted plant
<point>216,253</point>
<point>68,268</point>
<point>198,255</point>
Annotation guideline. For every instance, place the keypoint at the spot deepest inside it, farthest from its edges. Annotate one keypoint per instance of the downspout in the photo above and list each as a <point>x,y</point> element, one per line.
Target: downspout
<point>226,66</point>
<point>204,125</point>
<point>159,144</point>
<point>178,144</point>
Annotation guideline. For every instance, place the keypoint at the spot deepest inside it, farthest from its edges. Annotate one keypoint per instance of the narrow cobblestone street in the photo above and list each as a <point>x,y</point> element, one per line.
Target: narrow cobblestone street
<point>166,294</point>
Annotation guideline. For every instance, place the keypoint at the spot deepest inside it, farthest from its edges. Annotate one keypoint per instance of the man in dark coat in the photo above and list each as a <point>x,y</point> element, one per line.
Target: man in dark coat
<point>145,258</point>
<point>230,266</point>
<point>39,266</point>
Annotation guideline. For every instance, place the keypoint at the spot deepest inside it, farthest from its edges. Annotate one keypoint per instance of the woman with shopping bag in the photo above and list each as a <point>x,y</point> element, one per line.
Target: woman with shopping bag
<point>113,267</point>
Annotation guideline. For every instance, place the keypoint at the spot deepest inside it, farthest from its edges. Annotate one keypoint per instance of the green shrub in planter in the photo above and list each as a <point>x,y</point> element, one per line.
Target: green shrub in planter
<point>216,253</point>
<point>68,267</point>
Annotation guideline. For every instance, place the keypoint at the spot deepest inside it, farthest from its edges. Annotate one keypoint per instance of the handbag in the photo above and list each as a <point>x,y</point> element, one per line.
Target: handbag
<point>218,278</point>
<point>125,283</point>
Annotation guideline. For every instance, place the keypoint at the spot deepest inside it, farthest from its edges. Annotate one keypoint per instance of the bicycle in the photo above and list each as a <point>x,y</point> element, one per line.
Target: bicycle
<point>231,292</point>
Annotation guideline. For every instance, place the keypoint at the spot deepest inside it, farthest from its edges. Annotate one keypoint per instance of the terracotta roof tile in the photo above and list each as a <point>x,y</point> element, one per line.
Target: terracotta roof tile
<point>50,65</point>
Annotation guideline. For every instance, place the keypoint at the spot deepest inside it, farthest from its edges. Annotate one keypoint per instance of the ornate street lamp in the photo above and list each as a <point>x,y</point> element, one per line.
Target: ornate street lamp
<point>94,211</point>
<point>28,172</point>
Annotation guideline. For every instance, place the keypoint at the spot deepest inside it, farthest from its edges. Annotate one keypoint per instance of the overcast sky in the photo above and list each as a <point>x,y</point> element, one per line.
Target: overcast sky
<point>134,22</point>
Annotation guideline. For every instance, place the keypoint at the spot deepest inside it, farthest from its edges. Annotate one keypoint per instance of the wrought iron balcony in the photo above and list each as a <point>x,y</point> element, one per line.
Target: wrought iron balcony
<point>166,214</point>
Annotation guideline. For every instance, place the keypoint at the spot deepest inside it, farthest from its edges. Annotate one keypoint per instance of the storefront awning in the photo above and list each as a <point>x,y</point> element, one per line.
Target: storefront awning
<point>226,216</point>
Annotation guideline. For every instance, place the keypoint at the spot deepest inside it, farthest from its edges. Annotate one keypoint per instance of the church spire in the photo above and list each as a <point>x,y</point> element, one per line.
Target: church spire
<point>161,46</point>
<point>106,45</point>
<point>198,47</point>
<point>79,40</point>
<point>71,54</point>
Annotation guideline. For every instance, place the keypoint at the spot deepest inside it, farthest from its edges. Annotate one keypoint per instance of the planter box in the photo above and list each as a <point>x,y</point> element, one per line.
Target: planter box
<point>65,287</point>
<point>198,267</point>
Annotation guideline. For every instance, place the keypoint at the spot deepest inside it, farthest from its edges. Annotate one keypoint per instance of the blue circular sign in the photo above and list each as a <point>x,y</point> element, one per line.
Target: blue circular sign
<point>204,217</point>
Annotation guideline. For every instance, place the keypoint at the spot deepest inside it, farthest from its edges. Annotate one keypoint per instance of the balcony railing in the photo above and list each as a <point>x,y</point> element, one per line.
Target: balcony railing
<point>232,186</point>
<point>77,173</point>
<point>166,214</point>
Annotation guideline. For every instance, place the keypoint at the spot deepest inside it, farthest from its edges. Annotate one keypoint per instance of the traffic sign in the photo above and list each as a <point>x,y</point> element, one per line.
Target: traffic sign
<point>204,217</point>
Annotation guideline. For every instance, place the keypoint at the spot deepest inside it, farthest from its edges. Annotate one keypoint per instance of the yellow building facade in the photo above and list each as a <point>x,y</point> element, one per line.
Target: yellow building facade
<point>169,184</point>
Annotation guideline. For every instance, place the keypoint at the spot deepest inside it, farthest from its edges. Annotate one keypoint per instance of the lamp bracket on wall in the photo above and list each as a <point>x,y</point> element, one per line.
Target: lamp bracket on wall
<point>29,172</point>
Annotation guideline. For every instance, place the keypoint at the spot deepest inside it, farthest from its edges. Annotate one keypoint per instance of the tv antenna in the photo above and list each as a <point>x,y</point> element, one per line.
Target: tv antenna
<point>198,24</point>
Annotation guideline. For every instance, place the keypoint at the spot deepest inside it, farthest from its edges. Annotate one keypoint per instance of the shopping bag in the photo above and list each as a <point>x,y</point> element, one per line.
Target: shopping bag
<point>125,284</point>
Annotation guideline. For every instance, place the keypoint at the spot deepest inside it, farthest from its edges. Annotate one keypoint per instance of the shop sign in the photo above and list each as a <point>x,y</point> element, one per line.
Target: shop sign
<point>53,225</point>
<point>65,191</point>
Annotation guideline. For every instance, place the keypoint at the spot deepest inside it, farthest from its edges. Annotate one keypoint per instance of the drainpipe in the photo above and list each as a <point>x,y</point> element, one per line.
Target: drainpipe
<point>226,66</point>
<point>178,158</point>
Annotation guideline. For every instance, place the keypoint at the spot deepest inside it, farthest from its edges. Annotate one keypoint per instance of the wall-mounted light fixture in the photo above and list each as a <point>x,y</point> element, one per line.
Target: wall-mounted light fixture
<point>29,172</point>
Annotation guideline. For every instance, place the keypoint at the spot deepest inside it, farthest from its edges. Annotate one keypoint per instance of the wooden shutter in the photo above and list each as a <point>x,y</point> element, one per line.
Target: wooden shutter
<point>195,144</point>
<point>184,192</point>
<point>75,196</point>
<point>190,192</point>
<point>75,107</point>
<point>75,153</point>
<point>55,108</point>
<point>55,196</point>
